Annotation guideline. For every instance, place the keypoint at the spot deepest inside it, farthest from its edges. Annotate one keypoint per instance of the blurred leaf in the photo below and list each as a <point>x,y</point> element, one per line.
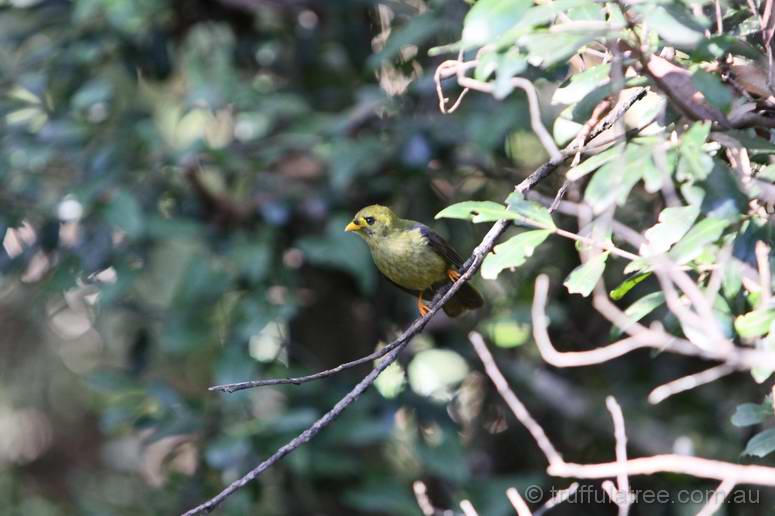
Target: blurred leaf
<point>530,211</point>
<point>124,211</point>
<point>640,309</point>
<point>584,277</point>
<point>512,63</point>
<point>703,233</point>
<point>695,163</point>
<point>488,19</point>
<point>477,211</point>
<point>418,30</point>
<point>713,89</point>
<point>754,324</point>
<point>581,84</point>
<point>761,444</point>
<point>614,180</point>
<point>512,253</point>
<point>593,163</point>
<point>749,414</point>
<point>507,333</point>
<point>625,286</point>
<point>548,48</point>
<point>673,224</point>
<point>674,23</point>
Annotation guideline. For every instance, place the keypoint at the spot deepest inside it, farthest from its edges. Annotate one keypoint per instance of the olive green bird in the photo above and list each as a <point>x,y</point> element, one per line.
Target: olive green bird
<point>413,257</point>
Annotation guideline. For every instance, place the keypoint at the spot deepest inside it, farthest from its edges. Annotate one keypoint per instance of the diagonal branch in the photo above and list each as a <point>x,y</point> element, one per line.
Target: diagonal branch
<point>470,267</point>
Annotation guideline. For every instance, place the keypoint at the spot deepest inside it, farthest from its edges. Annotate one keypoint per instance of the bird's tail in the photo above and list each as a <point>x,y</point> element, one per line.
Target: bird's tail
<point>467,298</point>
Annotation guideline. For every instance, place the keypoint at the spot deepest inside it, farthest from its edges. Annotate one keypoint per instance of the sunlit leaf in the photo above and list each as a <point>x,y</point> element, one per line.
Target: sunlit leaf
<point>673,224</point>
<point>488,19</point>
<point>584,277</point>
<point>761,444</point>
<point>530,211</point>
<point>513,252</point>
<point>477,211</point>
<point>755,324</point>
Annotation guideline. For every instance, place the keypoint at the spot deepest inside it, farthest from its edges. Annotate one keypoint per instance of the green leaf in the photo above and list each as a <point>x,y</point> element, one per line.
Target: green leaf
<point>581,84</point>
<point>695,162</point>
<point>754,324</point>
<point>672,226</point>
<point>486,66</point>
<point>613,182</point>
<point>584,277</point>
<point>628,284</point>
<point>489,19</point>
<point>761,444</point>
<point>753,144</point>
<point>513,252</point>
<point>507,333</point>
<point>593,163</point>
<point>530,211</point>
<point>477,211</point>
<point>704,232</point>
<point>548,48</point>
<point>640,309</point>
<point>714,90</point>
<point>510,64</point>
<point>749,414</point>
<point>417,31</point>
<point>673,23</point>
<point>124,211</point>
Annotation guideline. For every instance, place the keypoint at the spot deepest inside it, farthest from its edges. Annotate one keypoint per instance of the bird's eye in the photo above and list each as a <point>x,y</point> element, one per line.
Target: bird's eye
<point>369,220</point>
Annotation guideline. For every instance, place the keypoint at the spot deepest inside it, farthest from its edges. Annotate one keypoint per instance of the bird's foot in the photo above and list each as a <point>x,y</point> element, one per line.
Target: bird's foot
<point>453,275</point>
<point>421,306</point>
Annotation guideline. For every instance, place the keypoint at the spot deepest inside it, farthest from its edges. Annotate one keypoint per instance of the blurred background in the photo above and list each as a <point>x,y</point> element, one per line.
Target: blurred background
<point>175,177</point>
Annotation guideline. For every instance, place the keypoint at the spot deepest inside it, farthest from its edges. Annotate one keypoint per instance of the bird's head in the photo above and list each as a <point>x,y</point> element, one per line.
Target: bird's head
<point>373,222</point>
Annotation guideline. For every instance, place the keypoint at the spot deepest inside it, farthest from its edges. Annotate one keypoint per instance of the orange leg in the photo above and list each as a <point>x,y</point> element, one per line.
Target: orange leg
<point>421,306</point>
<point>453,275</point>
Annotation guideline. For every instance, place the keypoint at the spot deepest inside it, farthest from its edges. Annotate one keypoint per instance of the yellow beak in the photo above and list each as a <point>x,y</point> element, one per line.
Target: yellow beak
<point>352,226</point>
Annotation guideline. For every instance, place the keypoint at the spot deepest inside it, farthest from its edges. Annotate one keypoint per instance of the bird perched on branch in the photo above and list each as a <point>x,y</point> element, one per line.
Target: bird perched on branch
<point>413,257</point>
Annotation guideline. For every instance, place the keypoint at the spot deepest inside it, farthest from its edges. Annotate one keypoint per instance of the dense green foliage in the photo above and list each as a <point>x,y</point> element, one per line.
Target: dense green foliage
<point>175,178</point>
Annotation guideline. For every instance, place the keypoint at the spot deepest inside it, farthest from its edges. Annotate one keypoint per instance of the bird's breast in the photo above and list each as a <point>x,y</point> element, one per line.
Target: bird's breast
<point>406,259</point>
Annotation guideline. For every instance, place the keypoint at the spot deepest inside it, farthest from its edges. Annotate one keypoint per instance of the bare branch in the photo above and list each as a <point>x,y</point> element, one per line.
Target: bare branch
<point>233,387</point>
<point>421,495</point>
<point>468,508</point>
<point>717,498</point>
<point>671,463</point>
<point>689,382</point>
<point>623,483</point>
<point>516,406</point>
<point>519,504</point>
<point>558,498</point>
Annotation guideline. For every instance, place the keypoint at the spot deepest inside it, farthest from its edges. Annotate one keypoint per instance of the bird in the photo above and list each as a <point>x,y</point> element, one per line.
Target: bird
<point>413,257</point>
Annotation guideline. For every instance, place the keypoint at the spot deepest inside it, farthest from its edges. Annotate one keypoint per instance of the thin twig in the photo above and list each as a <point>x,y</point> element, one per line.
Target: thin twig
<point>557,499</point>
<point>670,463</point>
<point>689,382</point>
<point>423,501</point>
<point>717,498</point>
<point>468,508</point>
<point>511,399</point>
<point>519,504</point>
<point>623,483</point>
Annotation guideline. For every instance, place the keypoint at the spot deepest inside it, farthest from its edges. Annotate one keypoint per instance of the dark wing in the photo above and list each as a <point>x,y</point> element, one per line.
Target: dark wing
<point>439,245</point>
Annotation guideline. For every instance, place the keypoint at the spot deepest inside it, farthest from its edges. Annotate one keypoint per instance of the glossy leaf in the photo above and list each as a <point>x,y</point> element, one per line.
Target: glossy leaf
<point>584,277</point>
<point>512,253</point>
<point>477,211</point>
